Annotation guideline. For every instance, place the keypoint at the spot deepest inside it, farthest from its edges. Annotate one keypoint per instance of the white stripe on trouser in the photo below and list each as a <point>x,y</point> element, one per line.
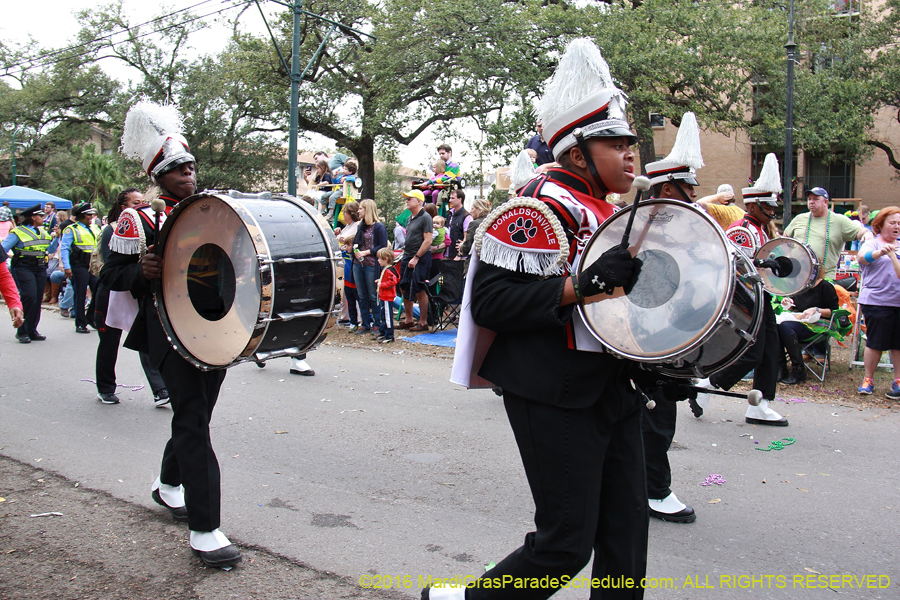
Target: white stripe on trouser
<point>388,308</point>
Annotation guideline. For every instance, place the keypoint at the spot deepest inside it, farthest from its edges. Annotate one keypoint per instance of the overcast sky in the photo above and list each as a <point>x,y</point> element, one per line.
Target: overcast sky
<point>52,23</point>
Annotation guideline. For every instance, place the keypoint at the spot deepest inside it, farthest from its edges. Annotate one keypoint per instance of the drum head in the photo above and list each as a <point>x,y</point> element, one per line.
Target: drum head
<point>211,281</point>
<point>684,288</point>
<point>803,260</point>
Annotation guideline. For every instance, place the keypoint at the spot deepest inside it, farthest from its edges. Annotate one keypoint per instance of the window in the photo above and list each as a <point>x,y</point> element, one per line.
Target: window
<point>836,176</point>
<point>657,120</point>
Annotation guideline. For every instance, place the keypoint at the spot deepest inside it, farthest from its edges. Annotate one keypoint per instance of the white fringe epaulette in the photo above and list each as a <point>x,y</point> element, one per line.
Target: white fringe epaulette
<point>130,244</point>
<point>769,178</point>
<point>500,255</point>
<point>686,150</point>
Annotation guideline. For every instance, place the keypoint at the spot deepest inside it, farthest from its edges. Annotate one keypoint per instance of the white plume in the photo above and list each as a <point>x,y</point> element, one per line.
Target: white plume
<point>145,122</point>
<point>581,72</point>
<point>769,178</point>
<point>522,170</point>
<point>686,150</point>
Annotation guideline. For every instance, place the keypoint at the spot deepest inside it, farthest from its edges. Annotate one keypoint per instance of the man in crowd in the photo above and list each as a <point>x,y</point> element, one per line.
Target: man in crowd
<point>457,225</point>
<point>540,146</point>
<point>78,242</point>
<point>415,266</point>
<point>721,206</point>
<point>821,222</point>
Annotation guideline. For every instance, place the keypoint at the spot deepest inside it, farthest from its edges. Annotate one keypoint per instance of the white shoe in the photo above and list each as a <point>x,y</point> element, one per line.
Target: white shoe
<point>301,367</point>
<point>702,397</point>
<point>671,509</point>
<point>763,415</point>
<point>446,593</point>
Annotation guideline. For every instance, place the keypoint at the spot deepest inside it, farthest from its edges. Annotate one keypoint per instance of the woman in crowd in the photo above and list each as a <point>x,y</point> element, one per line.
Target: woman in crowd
<point>879,299</point>
<point>345,239</point>
<point>480,209</point>
<point>371,236</point>
<point>320,178</point>
<point>821,299</point>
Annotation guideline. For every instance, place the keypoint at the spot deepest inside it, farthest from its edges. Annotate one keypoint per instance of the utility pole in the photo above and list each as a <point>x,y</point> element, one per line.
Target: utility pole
<point>788,193</point>
<point>15,131</point>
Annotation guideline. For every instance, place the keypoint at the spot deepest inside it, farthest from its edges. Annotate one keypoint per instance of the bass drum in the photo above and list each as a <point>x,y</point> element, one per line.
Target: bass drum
<point>697,303</point>
<point>246,278</point>
<point>805,266</point>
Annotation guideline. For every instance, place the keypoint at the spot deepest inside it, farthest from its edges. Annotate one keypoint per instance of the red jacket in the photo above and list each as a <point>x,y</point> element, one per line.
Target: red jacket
<point>387,291</point>
<point>8,288</point>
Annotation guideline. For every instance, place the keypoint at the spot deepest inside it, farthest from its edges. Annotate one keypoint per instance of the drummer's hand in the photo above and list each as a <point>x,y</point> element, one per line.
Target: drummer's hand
<point>615,268</point>
<point>18,316</point>
<point>151,265</point>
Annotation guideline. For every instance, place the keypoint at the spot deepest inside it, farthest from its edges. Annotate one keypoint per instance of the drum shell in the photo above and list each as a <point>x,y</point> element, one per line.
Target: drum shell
<point>690,254</point>
<point>803,259</point>
<point>285,266</point>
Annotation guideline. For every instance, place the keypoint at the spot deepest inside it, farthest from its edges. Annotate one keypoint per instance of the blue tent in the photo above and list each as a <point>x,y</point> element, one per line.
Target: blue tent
<point>23,197</point>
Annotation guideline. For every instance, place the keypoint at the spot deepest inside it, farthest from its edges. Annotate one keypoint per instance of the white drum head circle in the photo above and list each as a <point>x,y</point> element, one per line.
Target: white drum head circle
<point>805,266</point>
<point>683,291</point>
<point>211,282</point>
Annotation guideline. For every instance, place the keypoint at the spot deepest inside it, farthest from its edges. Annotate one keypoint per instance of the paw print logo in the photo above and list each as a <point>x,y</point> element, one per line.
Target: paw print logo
<point>522,230</point>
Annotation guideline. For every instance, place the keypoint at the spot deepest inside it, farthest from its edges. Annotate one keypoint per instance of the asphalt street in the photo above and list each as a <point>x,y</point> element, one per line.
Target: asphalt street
<point>378,467</point>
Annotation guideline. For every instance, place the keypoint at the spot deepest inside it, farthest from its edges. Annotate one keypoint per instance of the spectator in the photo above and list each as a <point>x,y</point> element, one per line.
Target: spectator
<point>437,183</point>
<point>50,220</point>
<point>6,220</point>
<point>432,211</point>
<point>820,223</point>
<point>451,167</point>
<point>537,143</point>
<point>439,243</point>
<point>721,206</point>
<point>108,346</point>
<point>348,174</point>
<point>481,208</point>
<point>321,178</point>
<point>821,299</point>
<point>415,265</point>
<point>334,163</point>
<point>880,298</point>
<point>11,296</point>
<point>387,291</point>
<point>345,239</point>
<point>400,229</point>
<point>459,220</point>
<point>371,236</point>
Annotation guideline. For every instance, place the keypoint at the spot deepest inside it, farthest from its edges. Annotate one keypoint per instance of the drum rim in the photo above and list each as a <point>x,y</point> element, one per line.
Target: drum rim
<point>813,274</point>
<point>670,357</point>
<point>265,308</point>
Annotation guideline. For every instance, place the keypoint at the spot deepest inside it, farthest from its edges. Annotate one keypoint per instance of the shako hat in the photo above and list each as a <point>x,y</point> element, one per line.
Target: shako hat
<point>581,95</point>
<point>685,158</point>
<point>153,135</point>
<point>768,186</point>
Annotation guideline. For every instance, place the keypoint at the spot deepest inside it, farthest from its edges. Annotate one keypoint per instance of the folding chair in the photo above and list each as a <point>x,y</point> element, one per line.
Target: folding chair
<point>445,293</point>
<point>836,327</point>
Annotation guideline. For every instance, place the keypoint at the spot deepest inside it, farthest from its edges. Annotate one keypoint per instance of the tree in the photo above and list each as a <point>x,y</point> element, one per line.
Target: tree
<point>85,176</point>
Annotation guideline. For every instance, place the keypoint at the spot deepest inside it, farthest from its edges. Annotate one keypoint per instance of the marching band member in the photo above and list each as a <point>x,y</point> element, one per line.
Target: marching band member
<point>574,413</point>
<point>762,357</point>
<point>673,177</point>
<point>188,483</point>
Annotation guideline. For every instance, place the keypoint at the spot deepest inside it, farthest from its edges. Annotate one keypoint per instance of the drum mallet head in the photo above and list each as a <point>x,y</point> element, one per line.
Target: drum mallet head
<point>158,205</point>
<point>641,183</point>
<point>753,397</point>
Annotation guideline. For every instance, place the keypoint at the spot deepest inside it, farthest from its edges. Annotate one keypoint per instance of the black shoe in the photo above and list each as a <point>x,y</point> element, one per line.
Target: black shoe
<point>82,330</point>
<point>782,422</point>
<point>223,557</point>
<point>307,373</point>
<point>23,339</point>
<point>179,514</point>
<point>798,374</point>
<point>64,313</point>
<point>109,398</point>
<point>37,337</point>
<point>685,515</point>
<point>161,398</point>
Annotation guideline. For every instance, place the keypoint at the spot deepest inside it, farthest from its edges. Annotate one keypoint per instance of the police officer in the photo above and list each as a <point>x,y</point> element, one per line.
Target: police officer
<point>78,242</point>
<point>31,243</point>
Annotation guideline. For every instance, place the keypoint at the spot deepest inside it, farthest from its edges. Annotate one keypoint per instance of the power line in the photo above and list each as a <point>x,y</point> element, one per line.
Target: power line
<point>32,64</point>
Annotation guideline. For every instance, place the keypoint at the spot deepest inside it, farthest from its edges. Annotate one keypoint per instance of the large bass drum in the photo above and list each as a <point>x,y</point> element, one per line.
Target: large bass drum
<point>246,278</point>
<point>697,304</point>
<point>804,271</point>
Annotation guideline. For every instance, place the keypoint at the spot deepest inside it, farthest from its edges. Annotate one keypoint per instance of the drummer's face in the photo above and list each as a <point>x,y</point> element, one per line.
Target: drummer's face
<point>181,181</point>
<point>614,160</point>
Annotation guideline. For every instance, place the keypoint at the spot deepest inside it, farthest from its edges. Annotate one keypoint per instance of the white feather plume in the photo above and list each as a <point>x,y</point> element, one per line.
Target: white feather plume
<point>522,170</point>
<point>769,178</point>
<point>686,150</point>
<point>581,71</point>
<point>145,122</point>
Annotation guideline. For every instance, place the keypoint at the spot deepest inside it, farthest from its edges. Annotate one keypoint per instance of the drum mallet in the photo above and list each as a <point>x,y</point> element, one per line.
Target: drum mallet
<point>157,205</point>
<point>752,397</point>
<point>641,184</point>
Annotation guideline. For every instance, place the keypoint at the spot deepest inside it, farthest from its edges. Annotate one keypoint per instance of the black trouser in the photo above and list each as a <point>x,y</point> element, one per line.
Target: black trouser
<point>658,429</point>
<point>188,458</point>
<point>82,279</point>
<point>31,279</point>
<point>585,470</point>
<point>763,356</point>
<point>108,353</point>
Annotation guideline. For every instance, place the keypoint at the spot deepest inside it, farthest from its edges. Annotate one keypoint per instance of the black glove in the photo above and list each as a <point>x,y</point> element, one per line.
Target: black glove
<point>673,388</point>
<point>615,268</point>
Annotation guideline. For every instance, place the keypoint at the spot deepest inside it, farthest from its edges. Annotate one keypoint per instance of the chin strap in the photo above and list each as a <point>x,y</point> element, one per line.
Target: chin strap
<point>680,191</point>
<point>582,145</point>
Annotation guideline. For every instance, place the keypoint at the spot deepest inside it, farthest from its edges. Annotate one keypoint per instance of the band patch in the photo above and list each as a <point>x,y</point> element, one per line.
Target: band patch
<point>523,235</point>
<point>128,237</point>
<point>744,239</point>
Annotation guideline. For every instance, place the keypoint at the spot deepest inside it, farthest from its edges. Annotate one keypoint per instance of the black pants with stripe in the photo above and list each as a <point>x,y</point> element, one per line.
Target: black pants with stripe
<point>31,280</point>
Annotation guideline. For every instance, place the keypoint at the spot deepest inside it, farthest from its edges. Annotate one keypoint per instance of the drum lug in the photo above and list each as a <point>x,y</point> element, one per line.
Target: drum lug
<point>318,312</point>
<point>752,278</point>
<point>288,261</point>
<point>745,334</point>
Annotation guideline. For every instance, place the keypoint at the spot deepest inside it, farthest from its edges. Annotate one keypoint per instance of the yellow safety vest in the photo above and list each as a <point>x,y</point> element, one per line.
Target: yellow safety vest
<point>34,246</point>
<point>85,237</point>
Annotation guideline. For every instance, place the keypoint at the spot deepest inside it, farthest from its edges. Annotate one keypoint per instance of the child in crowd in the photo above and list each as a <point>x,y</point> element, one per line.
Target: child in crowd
<point>387,291</point>
<point>439,179</point>
<point>439,242</point>
<point>347,174</point>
